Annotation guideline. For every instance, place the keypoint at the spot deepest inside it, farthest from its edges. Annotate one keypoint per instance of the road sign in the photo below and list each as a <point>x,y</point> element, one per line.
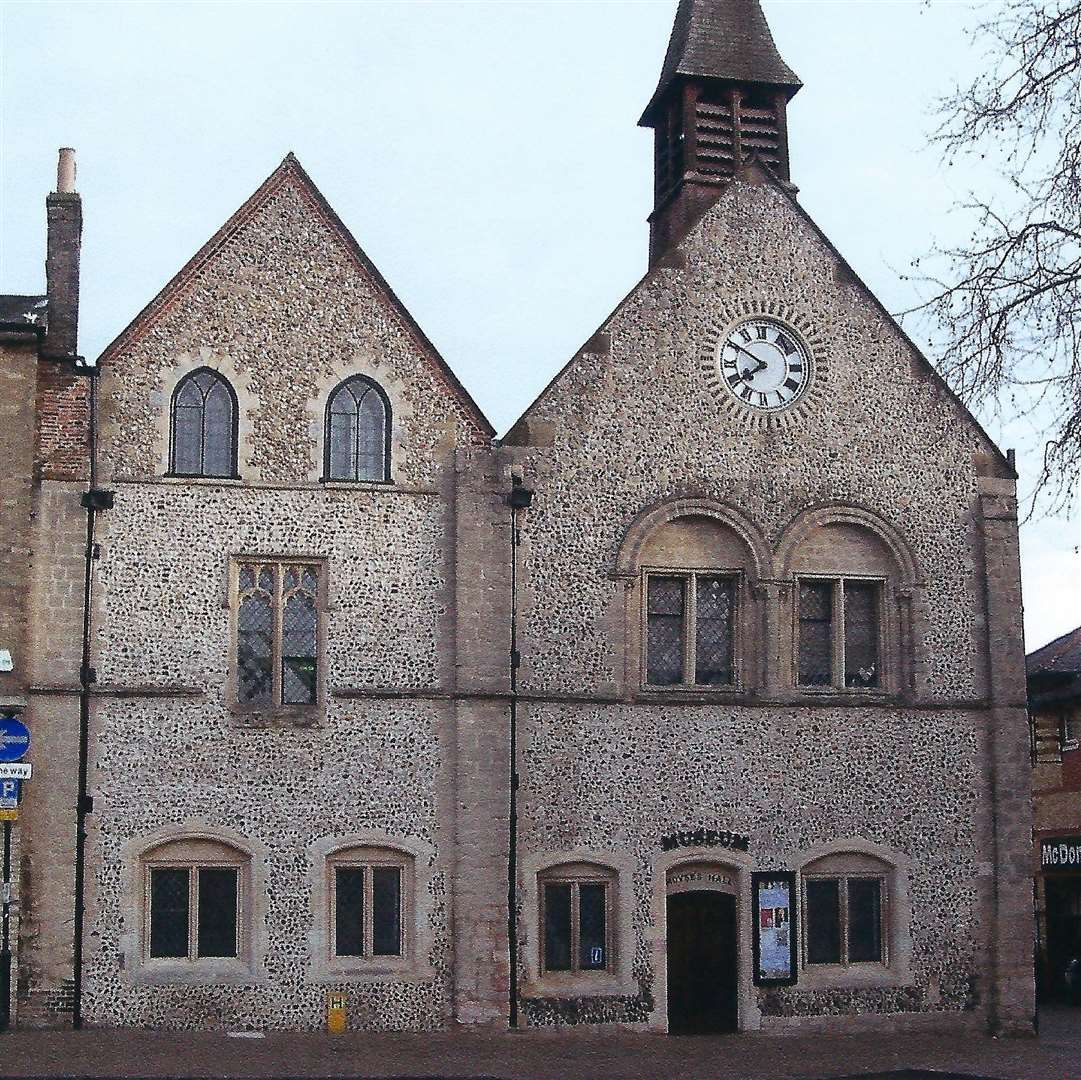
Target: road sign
<point>9,815</point>
<point>14,738</point>
<point>10,790</point>
<point>16,770</point>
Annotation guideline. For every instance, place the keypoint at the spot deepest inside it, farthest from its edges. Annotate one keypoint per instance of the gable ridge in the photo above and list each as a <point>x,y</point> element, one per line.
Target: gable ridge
<point>291,171</point>
<point>751,164</point>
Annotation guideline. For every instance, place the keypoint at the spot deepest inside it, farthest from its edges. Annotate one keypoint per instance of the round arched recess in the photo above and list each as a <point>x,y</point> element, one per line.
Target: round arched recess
<point>646,525</point>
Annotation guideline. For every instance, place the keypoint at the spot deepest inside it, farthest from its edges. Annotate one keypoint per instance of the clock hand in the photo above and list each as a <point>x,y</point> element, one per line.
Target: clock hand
<point>749,373</point>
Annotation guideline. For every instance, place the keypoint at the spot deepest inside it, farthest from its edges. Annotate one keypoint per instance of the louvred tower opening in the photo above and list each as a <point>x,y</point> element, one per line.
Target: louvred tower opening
<point>721,100</point>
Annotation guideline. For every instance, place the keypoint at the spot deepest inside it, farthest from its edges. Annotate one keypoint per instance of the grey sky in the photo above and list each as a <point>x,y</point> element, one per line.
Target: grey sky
<point>485,155</point>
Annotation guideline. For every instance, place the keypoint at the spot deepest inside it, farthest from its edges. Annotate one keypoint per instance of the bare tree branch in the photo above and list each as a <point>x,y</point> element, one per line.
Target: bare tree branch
<point>1008,302</point>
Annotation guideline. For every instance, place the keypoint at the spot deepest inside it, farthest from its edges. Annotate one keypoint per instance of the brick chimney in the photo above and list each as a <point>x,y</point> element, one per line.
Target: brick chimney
<point>64,210</point>
<point>63,387</point>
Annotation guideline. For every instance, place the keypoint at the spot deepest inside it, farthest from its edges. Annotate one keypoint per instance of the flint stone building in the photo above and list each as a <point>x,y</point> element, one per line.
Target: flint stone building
<point>742,583</point>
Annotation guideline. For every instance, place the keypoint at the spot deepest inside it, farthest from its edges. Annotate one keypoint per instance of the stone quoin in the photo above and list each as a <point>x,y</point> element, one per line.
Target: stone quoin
<point>752,617</point>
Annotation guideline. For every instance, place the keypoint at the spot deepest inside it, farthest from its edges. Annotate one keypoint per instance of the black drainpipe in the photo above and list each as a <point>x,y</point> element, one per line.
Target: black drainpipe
<point>93,500</point>
<point>520,498</point>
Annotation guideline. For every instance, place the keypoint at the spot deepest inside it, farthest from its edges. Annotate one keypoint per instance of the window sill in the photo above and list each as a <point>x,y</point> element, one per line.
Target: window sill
<point>347,485</point>
<point>851,976</point>
<point>278,716</point>
<point>180,478</point>
<point>661,694</point>
<point>570,984</point>
<point>205,972</point>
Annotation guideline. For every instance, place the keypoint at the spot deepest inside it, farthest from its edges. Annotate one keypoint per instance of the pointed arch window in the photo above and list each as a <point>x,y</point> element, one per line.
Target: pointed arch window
<point>357,436</point>
<point>204,426</point>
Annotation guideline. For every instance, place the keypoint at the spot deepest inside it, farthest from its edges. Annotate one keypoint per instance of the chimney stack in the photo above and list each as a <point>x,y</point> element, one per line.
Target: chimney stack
<point>64,211</point>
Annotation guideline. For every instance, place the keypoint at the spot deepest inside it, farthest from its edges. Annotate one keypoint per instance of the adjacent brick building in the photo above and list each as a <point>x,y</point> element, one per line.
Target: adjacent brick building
<point>714,660</point>
<point>1054,694</point>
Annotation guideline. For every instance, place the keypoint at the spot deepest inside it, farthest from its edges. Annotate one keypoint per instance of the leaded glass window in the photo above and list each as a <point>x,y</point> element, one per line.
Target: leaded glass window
<point>844,920</point>
<point>690,629</point>
<point>839,631</point>
<point>575,905</point>
<point>204,426</point>
<point>370,889</point>
<point>277,660</point>
<point>194,911</point>
<point>358,432</point>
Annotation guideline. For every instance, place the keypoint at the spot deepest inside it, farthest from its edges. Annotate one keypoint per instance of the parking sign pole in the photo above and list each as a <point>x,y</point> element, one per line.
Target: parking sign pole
<point>5,938</point>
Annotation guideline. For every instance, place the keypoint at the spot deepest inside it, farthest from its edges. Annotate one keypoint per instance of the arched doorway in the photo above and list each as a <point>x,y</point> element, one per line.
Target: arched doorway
<point>702,951</point>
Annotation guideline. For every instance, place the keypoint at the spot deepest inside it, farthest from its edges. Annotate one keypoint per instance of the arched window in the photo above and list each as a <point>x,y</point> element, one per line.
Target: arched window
<point>204,414</point>
<point>196,895</point>
<point>846,917</point>
<point>577,902</point>
<point>357,437</point>
<point>371,904</point>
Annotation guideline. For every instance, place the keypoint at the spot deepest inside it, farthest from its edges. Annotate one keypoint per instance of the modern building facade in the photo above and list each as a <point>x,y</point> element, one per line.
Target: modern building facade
<point>713,663</point>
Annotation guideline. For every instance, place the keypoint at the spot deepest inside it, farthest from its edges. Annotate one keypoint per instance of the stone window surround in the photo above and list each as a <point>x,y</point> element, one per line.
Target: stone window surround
<point>855,857</point>
<point>618,979</point>
<point>578,873</point>
<point>417,861</point>
<point>743,610</point>
<point>233,435</point>
<point>306,715</point>
<point>388,431</point>
<point>194,843</point>
<point>885,651</point>
<point>767,622</point>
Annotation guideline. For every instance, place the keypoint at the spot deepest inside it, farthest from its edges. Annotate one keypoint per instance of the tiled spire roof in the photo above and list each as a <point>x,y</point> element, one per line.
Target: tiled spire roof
<point>722,39</point>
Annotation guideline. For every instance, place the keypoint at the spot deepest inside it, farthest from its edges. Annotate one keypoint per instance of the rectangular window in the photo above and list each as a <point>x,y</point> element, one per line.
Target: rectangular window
<point>823,922</point>
<point>816,633</point>
<point>349,911</point>
<point>194,911</point>
<point>277,633</point>
<point>839,630</point>
<point>217,911</point>
<point>386,911</point>
<point>665,631</point>
<point>169,911</point>
<point>557,927</point>
<point>690,630</point>
<point>1071,730</point>
<point>715,604</point>
<point>576,926</point>
<point>367,911</point>
<point>864,920</point>
<point>844,920</point>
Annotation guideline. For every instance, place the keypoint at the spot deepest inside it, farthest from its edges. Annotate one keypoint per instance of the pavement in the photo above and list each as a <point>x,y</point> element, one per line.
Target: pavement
<point>547,1055</point>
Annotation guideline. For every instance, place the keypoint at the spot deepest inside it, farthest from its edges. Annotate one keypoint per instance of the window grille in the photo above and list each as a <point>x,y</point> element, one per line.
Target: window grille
<point>843,920</point>
<point>690,629</point>
<point>194,911</point>
<point>277,633</point>
<point>576,922</point>
<point>204,426</point>
<point>358,432</point>
<point>839,631</point>
<point>368,903</point>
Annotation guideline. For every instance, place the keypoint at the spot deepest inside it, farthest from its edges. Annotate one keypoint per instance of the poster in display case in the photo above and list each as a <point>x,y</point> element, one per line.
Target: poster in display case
<point>773,909</point>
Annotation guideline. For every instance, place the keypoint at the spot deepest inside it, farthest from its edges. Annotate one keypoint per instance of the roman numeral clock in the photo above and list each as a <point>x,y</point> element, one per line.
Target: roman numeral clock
<point>763,363</point>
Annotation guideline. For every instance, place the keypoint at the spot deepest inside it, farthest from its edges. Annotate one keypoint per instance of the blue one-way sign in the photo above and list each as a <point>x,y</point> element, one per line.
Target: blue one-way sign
<point>14,738</point>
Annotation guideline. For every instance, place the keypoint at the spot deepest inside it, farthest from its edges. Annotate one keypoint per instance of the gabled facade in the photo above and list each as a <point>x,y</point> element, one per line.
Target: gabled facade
<point>714,660</point>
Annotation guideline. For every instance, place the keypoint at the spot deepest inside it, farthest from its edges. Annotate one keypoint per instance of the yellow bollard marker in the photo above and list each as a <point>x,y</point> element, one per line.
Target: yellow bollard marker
<point>336,1014</point>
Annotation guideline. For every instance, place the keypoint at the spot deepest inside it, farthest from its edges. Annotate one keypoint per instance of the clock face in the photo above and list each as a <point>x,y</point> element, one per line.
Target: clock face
<point>763,364</point>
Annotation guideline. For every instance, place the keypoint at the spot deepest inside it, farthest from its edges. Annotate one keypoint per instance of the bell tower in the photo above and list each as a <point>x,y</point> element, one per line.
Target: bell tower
<point>721,99</point>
